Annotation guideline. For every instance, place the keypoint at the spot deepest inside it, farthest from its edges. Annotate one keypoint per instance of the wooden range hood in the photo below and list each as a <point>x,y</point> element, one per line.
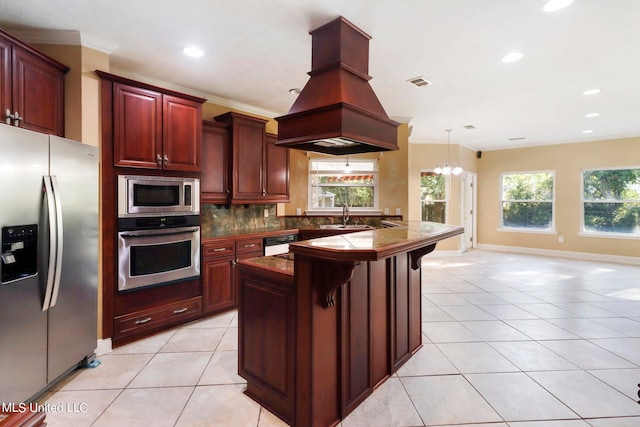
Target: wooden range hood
<point>337,112</point>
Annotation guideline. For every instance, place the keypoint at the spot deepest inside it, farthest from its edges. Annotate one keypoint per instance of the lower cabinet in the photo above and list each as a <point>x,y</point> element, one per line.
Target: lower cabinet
<point>219,281</point>
<point>157,318</point>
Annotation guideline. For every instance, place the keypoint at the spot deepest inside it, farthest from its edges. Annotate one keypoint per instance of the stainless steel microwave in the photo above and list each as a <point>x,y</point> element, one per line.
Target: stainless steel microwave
<point>157,195</point>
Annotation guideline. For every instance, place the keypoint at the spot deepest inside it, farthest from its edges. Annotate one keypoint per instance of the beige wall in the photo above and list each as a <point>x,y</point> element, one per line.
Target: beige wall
<point>392,176</point>
<point>567,161</point>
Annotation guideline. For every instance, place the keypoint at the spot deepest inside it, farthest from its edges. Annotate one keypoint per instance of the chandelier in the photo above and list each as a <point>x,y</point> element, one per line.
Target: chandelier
<point>447,169</point>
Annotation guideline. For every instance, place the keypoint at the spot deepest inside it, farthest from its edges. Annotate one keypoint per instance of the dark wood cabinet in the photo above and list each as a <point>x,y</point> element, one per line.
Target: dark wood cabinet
<point>259,169</point>
<point>215,176</point>
<point>154,128</point>
<point>219,279</point>
<point>266,338</point>
<point>182,133</point>
<point>276,166</point>
<point>137,121</point>
<point>218,276</point>
<point>31,87</point>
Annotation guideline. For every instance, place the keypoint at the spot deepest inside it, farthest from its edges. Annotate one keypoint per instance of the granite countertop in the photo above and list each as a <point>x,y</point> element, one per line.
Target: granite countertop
<point>277,264</point>
<point>371,245</point>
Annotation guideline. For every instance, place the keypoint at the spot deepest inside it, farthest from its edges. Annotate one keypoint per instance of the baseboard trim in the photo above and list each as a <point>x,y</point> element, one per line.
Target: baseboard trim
<point>103,347</point>
<point>563,254</point>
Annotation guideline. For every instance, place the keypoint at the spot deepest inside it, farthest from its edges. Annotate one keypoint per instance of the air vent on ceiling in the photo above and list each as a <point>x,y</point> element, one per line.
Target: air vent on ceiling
<point>518,138</point>
<point>419,81</point>
<point>469,127</point>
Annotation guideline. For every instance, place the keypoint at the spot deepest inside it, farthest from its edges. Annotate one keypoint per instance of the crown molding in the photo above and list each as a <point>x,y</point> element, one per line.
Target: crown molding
<point>64,37</point>
<point>209,97</point>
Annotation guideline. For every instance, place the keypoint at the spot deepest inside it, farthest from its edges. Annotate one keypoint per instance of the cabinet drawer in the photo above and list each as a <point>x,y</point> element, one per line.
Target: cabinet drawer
<point>248,245</point>
<point>214,250</point>
<point>157,316</point>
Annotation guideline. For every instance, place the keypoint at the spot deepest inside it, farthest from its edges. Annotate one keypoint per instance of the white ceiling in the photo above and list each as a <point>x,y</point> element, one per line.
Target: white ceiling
<point>256,50</point>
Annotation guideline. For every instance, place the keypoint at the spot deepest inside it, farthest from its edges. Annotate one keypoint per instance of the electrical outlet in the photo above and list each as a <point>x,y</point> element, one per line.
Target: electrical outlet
<point>266,213</point>
<point>298,211</point>
<point>397,211</point>
<point>561,239</point>
<point>386,211</point>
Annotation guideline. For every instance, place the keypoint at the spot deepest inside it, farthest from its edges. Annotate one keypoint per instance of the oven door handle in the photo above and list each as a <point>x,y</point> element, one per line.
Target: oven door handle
<point>134,235</point>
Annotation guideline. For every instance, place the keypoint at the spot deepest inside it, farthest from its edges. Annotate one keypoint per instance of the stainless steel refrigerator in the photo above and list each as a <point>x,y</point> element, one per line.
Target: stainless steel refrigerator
<point>49,260</point>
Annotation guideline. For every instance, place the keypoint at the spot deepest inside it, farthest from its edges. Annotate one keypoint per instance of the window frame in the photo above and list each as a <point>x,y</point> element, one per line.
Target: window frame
<point>311,210</point>
<point>552,228</point>
<point>447,193</point>
<point>603,234</point>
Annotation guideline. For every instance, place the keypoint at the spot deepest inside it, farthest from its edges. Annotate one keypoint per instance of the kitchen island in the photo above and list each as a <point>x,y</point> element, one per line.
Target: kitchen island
<point>321,328</point>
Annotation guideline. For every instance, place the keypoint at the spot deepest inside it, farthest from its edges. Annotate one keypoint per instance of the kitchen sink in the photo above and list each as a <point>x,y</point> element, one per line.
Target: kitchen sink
<point>347,227</point>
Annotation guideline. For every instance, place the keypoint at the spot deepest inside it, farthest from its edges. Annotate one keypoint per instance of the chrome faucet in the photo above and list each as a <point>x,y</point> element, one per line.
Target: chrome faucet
<point>345,214</point>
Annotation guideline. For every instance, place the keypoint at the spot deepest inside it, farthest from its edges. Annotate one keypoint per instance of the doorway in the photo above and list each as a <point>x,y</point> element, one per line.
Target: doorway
<point>469,210</point>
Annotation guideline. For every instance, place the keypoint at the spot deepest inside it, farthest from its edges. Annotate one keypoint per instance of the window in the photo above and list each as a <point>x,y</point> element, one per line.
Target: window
<point>527,200</point>
<point>611,201</point>
<point>433,196</point>
<point>331,185</point>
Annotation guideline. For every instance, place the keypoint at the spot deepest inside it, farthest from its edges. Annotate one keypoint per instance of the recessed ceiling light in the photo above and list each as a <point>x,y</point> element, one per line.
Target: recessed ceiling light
<point>512,57</point>
<point>553,5</point>
<point>587,131</point>
<point>592,115</point>
<point>193,51</point>
<point>591,92</point>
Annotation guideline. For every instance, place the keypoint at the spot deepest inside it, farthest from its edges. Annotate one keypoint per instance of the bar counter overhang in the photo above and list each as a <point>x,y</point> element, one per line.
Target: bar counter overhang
<point>317,334</point>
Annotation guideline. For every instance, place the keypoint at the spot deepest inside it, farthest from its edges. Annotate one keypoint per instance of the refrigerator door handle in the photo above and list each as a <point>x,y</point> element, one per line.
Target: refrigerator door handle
<point>59,241</point>
<point>51,208</point>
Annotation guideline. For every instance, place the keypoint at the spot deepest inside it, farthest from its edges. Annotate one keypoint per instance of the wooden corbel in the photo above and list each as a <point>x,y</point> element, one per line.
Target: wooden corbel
<point>419,253</point>
<point>330,275</point>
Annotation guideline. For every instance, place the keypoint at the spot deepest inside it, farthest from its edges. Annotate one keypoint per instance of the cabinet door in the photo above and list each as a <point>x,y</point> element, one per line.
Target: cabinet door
<point>182,134</point>
<point>214,178</point>
<point>218,284</point>
<point>5,78</point>
<point>137,123</point>
<point>248,143</point>
<point>38,93</point>
<point>276,166</point>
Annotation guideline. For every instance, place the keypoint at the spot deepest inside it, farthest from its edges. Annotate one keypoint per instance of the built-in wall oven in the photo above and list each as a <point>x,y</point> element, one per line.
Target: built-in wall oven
<point>157,247</point>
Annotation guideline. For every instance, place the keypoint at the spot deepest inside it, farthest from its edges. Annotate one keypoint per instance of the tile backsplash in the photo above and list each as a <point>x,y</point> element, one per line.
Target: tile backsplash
<point>218,218</point>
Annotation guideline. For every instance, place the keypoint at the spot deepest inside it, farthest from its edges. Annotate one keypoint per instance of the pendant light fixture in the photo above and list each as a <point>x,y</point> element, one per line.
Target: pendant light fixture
<point>347,167</point>
<point>447,169</point>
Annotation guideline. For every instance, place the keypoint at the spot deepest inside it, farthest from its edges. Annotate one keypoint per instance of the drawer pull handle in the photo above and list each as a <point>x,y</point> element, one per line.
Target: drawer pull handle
<point>219,249</point>
<point>180,310</point>
<point>143,321</point>
<point>250,246</point>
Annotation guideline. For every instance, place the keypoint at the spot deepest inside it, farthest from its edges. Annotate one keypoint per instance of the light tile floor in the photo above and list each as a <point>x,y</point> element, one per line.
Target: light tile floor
<point>509,340</point>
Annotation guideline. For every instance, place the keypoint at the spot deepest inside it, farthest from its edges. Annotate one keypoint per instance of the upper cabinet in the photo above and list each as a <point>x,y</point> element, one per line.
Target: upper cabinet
<point>154,128</point>
<point>31,88</point>
<point>276,166</point>
<point>215,183</point>
<point>259,169</point>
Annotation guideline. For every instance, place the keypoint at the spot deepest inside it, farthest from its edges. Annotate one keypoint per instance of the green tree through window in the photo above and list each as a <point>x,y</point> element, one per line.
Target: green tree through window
<point>611,201</point>
<point>527,200</point>
<point>331,186</point>
<point>433,197</point>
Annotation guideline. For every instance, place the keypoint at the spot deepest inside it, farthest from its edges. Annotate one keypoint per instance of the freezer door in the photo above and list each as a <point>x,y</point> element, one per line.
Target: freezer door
<point>74,305</point>
<point>23,325</point>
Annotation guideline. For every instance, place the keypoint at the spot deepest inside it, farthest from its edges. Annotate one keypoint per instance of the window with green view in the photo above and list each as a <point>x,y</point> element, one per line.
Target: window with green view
<point>332,184</point>
<point>527,200</point>
<point>433,197</point>
<point>611,201</point>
